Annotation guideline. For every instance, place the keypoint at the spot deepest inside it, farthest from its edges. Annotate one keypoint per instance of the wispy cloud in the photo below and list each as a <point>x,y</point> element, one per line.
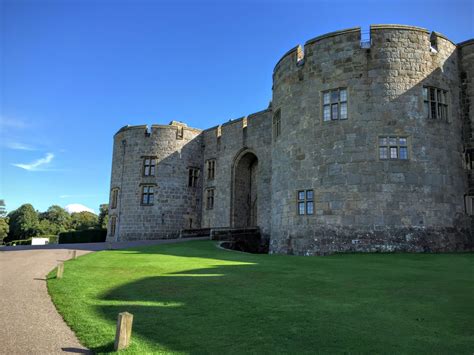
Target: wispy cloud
<point>37,164</point>
<point>19,146</point>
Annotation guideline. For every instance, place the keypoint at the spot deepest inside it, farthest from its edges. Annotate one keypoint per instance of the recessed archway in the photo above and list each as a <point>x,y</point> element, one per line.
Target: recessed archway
<point>244,190</point>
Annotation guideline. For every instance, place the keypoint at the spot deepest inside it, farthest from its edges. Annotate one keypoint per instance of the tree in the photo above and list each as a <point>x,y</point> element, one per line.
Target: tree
<point>84,220</point>
<point>103,216</point>
<point>56,219</point>
<point>23,223</point>
<point>4,228</point>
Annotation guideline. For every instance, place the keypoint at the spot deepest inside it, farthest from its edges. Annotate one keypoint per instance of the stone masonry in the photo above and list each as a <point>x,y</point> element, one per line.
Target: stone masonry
<point>364,147</point>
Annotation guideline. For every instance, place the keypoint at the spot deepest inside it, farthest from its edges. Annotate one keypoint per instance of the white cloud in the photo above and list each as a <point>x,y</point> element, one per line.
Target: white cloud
<point>36,165</point>
<point>19,146</point>
<point>77,207</point>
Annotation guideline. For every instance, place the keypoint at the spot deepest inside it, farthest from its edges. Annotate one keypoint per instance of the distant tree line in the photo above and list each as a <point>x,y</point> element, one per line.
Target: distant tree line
<point>26,222</point>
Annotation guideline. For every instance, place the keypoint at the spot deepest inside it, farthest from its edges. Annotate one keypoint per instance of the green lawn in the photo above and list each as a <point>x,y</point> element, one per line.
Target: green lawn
<point>195,298</point>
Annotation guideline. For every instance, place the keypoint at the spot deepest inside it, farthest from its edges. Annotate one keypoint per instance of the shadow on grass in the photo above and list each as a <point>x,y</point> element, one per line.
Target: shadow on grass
<point>267,304</point>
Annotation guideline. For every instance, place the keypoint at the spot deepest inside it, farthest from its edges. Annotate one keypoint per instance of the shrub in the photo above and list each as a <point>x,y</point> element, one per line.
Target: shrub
<point>84,236</point>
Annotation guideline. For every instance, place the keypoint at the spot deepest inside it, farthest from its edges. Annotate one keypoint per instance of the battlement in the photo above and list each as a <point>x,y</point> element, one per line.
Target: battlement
<point>349,40</point>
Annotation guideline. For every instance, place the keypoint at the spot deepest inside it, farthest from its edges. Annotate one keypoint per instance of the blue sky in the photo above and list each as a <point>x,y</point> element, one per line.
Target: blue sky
<point>73,72</point>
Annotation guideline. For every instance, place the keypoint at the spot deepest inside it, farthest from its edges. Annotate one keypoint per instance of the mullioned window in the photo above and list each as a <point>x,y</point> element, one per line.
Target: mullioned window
<point>335,105</point>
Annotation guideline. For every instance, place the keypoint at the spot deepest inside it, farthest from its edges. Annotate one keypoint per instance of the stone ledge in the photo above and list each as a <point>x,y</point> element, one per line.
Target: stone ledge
<point>398,27</point>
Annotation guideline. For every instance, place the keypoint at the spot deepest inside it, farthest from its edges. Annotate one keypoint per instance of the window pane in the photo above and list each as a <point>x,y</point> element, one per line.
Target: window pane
<point>147,161</point>
<point>300,208</point>
<point>432,94</point>
<point>403,153</point>
<point>427,109</point>
<point>153,161</point>
<point>309,207</point>
<point>152,170</point>
<point>145,189</point>
<point>147,170</point>
<point>300,195</point>
<point>326,98</point>
<point>150,189</point>
<point>309,194</point>
<point>425,93</point>
<point>383,141</point>
<point>150,198</point>
<point>343,95</point>
<point>393,153</point>
<point>402,141</point>
<point>439,96</point>
<point>327,113</point>
<point>383,153</point>
<point>144,198</point>
<point>433,110</point>
<point>334,96</point>
<point>343,111</point>
<point>335,111</point>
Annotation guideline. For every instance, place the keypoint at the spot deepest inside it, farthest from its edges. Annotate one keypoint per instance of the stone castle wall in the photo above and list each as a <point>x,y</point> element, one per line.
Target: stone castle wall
<point>361,202</point>
<point>175,204</point>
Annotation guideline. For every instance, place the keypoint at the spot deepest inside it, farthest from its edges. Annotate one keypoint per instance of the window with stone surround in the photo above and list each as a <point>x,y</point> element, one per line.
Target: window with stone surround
<point>114,199</point>
<point>179,132</point>
<point>148,195</point>
<point>276,124</point>
<point>149,165</point>
<point>211,169</point>
<point>305,202</point>
<point>469,204</point>
<point>435,103</point>
<point>209,199</point>
<point>113,225</point>
<point>193,176</point>
<point>393,148</point>
<point>334,105</point>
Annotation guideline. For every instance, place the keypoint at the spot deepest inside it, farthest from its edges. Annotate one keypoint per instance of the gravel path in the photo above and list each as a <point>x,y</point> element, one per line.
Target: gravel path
<point>29,322</point>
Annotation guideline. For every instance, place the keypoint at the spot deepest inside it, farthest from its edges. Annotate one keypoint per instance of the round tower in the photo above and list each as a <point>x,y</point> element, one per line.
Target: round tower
<point>155,186</point>
<point>369,153</point>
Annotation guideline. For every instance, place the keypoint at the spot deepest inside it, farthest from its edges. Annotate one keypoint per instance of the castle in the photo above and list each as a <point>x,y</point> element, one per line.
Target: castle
<point>366,146</point>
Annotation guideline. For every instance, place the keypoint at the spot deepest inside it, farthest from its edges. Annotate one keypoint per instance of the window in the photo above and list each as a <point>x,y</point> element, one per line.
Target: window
<point>147,194</point>
<point>469,204</point>
<point>209,199</point>
<point>113,223</point>
<point>114,199</point>
<point>149,164</point>
<point>276,124</point>
<point>211,169</point>
<point>335,105</point>
<point>393,148</point>
<point>179,132</point>
<point>305,202</point>
<point>193,175</point>
<point>436,103</point>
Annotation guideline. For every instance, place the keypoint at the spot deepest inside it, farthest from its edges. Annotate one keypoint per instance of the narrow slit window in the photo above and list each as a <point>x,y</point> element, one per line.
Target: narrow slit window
<point>276,124</point>
<point>210,199</point>
<point>113,225</point>
<point>114,199</point>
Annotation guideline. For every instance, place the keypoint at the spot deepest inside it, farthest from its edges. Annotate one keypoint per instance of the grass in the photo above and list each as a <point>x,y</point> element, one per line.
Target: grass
<point>195,298</point>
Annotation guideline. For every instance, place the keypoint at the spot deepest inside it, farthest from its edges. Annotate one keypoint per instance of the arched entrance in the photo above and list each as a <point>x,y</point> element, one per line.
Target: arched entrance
<point>244,190</point>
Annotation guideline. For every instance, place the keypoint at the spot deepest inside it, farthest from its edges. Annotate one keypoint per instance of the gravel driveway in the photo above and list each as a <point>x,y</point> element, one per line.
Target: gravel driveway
<point>29,322</point>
